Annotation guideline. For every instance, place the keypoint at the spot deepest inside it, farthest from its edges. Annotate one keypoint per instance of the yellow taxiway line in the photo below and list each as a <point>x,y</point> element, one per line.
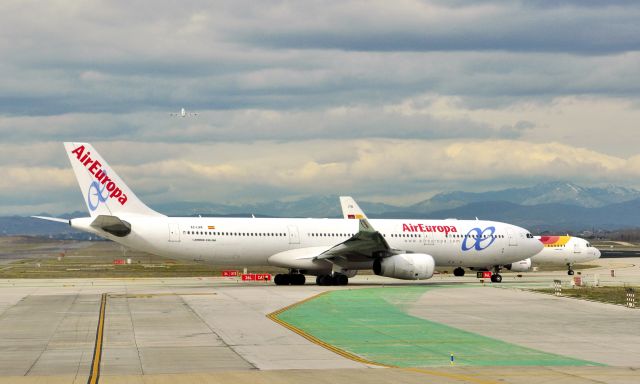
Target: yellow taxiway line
<point>97,351</point>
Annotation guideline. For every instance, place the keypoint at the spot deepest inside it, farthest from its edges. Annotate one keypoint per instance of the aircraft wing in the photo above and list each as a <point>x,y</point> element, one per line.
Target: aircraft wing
<point>364,245</point>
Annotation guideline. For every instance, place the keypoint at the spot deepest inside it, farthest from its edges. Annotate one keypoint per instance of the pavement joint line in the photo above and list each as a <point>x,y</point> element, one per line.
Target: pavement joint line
<point>274,317</point>
<point>50,337</point>
<point>231,347</point>
<point>94,375</point>
<point>148,295</point>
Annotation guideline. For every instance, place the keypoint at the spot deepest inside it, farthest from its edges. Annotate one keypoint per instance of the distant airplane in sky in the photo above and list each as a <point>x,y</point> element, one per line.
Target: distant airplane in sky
<point>183,113</point>
<point>331,249</point>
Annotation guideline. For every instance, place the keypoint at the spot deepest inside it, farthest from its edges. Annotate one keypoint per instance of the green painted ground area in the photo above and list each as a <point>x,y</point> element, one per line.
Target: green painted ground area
<point>373,324</point>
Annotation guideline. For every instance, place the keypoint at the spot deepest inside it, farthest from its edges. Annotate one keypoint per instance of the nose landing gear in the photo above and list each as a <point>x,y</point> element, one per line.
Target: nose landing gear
<point>570,271</point>
<point>496,277</point>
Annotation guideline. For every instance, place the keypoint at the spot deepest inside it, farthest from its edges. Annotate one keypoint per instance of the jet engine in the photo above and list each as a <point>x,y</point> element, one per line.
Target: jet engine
<point>405,266</point>
<point>520,266</point>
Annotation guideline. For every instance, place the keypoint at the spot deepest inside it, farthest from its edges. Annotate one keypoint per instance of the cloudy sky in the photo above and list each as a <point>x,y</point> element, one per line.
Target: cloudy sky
<point>388,101</point>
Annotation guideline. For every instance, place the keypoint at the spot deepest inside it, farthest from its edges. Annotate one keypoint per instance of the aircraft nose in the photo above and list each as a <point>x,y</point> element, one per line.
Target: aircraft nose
<point>534,245</point>
<point>537,244</point>
<point>596,252</point>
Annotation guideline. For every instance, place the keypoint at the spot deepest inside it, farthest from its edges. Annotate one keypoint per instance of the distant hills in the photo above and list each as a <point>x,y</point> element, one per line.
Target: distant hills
<point>553,206</point>
<point>322,206</point>
<point>546,193</point>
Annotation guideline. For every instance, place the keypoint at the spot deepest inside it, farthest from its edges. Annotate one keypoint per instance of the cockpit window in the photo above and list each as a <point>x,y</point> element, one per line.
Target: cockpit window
<point>529,236</point>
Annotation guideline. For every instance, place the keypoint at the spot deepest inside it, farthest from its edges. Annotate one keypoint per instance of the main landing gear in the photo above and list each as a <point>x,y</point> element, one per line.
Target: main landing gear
<point>570,271</point>
<point>458,271</point>
<point>289,279</point>
<point>496,277</point>
<point>335,279</point>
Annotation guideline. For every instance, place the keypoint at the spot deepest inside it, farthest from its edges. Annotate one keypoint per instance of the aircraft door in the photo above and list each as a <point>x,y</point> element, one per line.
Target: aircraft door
<point>174,232</point>
<point>576,248</point>
<point>513,240</point>
<point>428,238</point>
<point>294,237</point>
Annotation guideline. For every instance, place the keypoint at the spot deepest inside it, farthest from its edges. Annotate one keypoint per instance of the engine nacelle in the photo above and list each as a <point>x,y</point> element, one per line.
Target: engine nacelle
<point>520,266</point>
<point>406,266</point>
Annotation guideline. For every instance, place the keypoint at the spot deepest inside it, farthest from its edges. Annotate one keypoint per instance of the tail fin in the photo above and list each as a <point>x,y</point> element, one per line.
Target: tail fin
<point>102,189</point>
<point>350,209</point>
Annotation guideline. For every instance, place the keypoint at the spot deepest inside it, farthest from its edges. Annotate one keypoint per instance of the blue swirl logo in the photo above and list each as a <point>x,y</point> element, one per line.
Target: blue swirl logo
<point>97,194</point>
<point>479,239</point>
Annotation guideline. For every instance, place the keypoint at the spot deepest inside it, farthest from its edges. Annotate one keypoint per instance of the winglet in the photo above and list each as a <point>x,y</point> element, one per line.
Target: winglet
<point>365,226</point>
<point>367,242</point>
<point>350,209</point>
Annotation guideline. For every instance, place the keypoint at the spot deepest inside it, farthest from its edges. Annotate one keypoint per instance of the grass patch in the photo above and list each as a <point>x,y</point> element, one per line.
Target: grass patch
<point>612,295</point>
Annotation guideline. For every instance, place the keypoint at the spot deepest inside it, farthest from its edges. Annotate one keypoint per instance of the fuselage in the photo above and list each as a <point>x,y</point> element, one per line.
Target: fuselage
<point>252,241</point>
<point>563,250</point>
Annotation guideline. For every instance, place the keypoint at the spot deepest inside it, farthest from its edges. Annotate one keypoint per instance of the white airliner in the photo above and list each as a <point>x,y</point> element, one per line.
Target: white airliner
<point>558,250</point>
<point>331,249</point>
<point>184,113</point>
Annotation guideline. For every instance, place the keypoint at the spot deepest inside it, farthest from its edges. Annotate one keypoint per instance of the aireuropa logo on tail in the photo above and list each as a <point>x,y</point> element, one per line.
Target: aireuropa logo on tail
<point>96,194</point>
<point>101,183</point>
<point>479,239</point>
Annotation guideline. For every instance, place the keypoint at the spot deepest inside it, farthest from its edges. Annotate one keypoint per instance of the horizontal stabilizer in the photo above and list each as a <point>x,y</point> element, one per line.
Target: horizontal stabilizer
<point>57,220</point>
<point>112,224</point>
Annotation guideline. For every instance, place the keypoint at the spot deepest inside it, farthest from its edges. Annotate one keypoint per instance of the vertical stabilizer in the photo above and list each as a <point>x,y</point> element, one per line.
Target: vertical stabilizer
<point>103,190</point>
<point>350,209</point>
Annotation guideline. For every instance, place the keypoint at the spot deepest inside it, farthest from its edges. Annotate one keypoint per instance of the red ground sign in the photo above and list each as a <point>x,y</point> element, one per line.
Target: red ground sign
<point>484,275</point>
<point>229,273</point>
<point>256,276</point>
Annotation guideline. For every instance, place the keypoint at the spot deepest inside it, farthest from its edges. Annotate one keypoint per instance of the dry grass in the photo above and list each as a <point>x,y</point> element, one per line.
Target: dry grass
<point>614,295</point>
<point>72,259</point>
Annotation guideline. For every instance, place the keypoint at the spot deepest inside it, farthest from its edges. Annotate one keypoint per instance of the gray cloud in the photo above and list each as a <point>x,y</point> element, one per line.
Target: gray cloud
<point>225,172</point>
<point>348,122</point>
<point>279,76</point>
<point>415,26</point>
<point>120,58</point>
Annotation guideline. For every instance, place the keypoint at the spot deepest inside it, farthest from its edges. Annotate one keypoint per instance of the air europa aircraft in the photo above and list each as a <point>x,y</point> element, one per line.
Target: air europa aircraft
<point>330,249</point>
<point>558,250</point>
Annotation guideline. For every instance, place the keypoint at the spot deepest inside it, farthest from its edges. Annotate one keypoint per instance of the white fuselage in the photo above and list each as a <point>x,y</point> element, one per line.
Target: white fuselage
<point>563,250</point>
<point>252,241</point>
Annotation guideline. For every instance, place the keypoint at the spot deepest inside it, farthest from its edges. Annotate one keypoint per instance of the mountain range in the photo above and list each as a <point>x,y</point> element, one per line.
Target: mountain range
<point>552,206</point>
